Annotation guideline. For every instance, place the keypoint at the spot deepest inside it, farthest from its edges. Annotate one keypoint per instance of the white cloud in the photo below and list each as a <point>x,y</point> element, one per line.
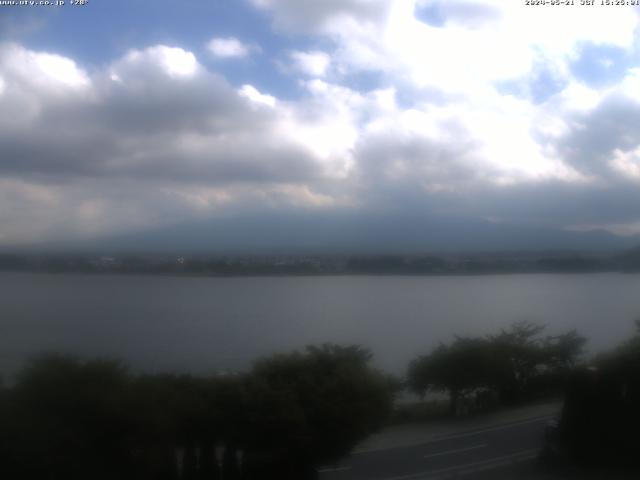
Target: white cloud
<point>314,63</point>
<point>627,163</point>
<point>481,41</point>
<point>175,62</point>
<point>453,71</point>
<point>42,70</point>
<point>157,131</point>
<point>229,47</point>
<point>250,92</point>
<point>577,97</point>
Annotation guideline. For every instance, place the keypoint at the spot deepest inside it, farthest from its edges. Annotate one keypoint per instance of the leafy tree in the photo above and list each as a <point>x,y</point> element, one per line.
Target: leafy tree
<point>526,361</point>
<point>72,419</point>
<point>168,408</point>
<point>313,407</point>
<point>67,419</point>
<point>600,418</point>
<point>518,353</point>
<point>563,352</point>
<point>4,425</point>
<point>459,369</point>
<point>624,359</point>
<point>514,363</point>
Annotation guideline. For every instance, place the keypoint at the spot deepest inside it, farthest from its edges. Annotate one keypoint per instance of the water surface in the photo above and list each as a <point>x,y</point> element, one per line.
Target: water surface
<point>203,324</point>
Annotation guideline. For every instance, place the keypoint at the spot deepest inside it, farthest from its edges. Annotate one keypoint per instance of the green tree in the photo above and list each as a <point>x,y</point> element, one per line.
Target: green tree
<point>600,418</point>
<point>313,407</point>
<point>517,355</point>
<point>71,419</point>
<point>524,359</point>
<point>459,369</point>
<point>515,363</point>
<point>67,420</point>
<point>625,358</point>
<point>564,352</point>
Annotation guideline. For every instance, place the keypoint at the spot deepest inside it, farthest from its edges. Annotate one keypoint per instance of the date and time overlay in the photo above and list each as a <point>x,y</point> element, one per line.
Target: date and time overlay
<point>582,3</point>
<point>563,3</point>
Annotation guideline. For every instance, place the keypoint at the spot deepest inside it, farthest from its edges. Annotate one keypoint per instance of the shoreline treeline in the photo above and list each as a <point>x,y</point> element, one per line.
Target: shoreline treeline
<point>66,418</point>
<point>71,419</point>
<point>327,264</point>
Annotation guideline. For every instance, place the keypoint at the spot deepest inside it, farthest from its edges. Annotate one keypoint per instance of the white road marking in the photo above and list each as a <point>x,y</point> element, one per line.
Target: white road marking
<point>489,465</point>
<point>467,433</point>
<point>490,429</point>
<point>337,469</point>
<point>467,468</point>
<point>458,450</point>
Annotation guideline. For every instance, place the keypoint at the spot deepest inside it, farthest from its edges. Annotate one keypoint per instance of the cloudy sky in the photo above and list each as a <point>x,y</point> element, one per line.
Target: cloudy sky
<point>123,116</point>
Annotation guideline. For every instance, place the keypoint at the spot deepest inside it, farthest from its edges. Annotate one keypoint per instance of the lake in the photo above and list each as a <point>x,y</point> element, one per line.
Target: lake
<point>200,324</point>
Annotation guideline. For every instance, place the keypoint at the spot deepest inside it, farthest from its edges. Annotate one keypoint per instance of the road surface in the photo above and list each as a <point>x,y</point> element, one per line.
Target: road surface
<point>504,450</point>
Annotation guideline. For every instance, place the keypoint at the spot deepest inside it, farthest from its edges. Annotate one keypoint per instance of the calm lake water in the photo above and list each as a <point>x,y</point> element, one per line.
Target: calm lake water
<point>204,324</point>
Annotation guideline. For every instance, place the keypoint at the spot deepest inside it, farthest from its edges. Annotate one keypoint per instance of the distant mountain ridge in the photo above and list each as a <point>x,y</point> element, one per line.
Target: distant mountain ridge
<point>346,234</point>
<point>356,234</point>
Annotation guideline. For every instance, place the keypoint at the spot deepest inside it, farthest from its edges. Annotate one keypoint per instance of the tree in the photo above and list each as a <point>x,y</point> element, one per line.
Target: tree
<point>525,360</point>
<point>600,418</point>
<point>518,353</point>
<point>563,352</point>
<point>73,419</point>
<point>67,419</point>
<point>459,369</point>
<point>515,363</point>
<point>313,407</point>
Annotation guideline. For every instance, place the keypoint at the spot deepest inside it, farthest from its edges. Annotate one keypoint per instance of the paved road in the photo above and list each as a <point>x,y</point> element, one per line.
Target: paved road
<point>497,451</point>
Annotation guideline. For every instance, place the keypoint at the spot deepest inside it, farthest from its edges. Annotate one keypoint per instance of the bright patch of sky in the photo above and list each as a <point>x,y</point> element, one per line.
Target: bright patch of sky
<point>96,34</point>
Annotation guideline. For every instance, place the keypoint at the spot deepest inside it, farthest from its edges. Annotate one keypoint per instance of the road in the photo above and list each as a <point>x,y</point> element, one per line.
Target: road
<point>506,450</point>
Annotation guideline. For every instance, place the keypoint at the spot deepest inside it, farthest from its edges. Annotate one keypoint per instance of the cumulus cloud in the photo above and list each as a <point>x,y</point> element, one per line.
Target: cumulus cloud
<point>475,43</point>
<point>229,47</point>
<point>601,139</point>
<point>155,126</point>
<point>155,113</point>
<point>250,92</point>
<point>475,112</point>
<point>462,130</point>
<point>42,70</point>
<point>314,63</point>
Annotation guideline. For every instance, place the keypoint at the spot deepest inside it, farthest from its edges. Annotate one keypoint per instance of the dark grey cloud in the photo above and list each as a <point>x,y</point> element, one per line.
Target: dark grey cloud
<point>555,203</point>
<point>595,135</point>
<point>388,158</point>
<point>151,139</point>
<point>136,120</point>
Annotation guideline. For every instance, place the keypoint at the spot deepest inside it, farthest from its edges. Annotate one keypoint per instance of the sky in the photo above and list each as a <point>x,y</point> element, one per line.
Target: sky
<point>120,117</point>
